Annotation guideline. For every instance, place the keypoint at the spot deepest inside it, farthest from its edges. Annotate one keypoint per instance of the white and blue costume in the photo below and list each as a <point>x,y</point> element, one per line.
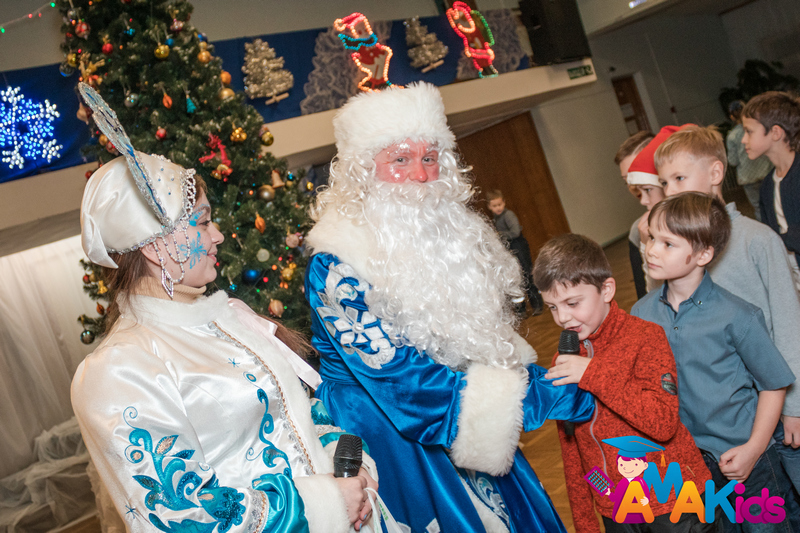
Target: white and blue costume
<point>446,442</point>
<point>196,420</point>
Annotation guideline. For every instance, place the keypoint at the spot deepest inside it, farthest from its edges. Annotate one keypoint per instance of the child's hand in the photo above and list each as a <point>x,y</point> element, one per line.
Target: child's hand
<point>737,463</point>
<point>791,431</point>
<point>568,367</point>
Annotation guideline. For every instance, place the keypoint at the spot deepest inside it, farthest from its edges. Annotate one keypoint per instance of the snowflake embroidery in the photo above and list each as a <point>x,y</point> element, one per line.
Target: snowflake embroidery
<point>26,129</point>
<point>356,330</point>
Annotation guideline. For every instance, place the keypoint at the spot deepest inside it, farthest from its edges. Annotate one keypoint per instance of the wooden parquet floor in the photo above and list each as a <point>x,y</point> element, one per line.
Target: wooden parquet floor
<point>541,447</point>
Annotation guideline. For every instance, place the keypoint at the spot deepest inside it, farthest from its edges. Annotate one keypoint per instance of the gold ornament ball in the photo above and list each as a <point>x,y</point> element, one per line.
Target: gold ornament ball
<point>225,77</point>
<point>204,56</point>
<point>267,139</point>
<point>162,51</point>
<point>72,60</point>
<point>226,93</point>
<point>266,193</point>
<point>238,135</point>
<point>102,140</point>
<point>276,307</point>
<point>287,274</point>
<point>309,186</point>
<point>262,255</point>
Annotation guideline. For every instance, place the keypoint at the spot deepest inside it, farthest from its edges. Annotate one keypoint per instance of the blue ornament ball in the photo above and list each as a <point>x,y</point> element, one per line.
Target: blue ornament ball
<point>250,276</point>
<point>201,37</point>
<point>66,70</point>
<point>170,41</point>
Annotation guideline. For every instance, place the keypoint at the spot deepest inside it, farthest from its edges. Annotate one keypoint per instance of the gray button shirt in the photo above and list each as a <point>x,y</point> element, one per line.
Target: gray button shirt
<point>724,356</point>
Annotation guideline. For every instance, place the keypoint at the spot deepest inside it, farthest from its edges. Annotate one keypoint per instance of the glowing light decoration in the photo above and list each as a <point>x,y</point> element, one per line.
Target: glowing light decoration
<point>26,129</point>
<point>478,39</point>
<point>371,57</point>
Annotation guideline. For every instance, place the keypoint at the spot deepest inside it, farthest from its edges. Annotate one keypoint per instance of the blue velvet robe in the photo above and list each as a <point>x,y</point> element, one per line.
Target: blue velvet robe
<point>406,407</point>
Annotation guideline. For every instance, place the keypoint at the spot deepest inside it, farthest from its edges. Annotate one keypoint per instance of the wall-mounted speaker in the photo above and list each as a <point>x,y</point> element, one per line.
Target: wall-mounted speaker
<point>555,31</point>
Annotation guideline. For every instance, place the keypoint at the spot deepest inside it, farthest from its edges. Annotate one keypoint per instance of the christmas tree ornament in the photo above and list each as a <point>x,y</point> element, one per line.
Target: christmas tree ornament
<point>161,51</point>
<point>276,308</point>
<point>87,337</point>
<point>86,278</point>
<point>82,30</point>
<point>276,179</point>
<point>176,26</point>
<point>425,50</point>
<point>131,100</point>
<point>260,224</point>
<point>92,277</point>
<point>221,171</point>
<point>88,174</point>
<point>238,135</point>
<point>287,274</point>
<point>204,56</point>
<point>266,193</point>
<point>202,37</point>
<point>100,309</point>
<point>292,240</point>
<point>309,186</point>
<point>72,60</point>
<point>170,42</point>
<point>161,134</point>
<point>101,287</point>
<point>225,77</point>
<point>265,76</point>
<point>478,40</point>
<point>250,276</point>
<point>66,70</point>
<point>262,255</point>
<point>166,101</point>
<point>108,48</point>
<point>111,149</point>
<point>226,93</point>
<point>103,140</point>
<point>203,45</point>
<point>371,57</point>
<point>267,139</point>
<point>73,14</point>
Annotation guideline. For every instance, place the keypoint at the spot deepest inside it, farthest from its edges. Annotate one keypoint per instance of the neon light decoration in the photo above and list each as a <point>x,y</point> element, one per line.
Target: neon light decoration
<point>371,57</point>
<point>478,38</point>
<point>25,127</point>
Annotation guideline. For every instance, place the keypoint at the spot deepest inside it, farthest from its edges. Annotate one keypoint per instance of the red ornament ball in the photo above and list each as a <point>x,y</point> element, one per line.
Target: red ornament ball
<point>161,134</point>
<point>82,30</point>
<point>88,174</point>
<point>86,278</point>
<point>108,48</point>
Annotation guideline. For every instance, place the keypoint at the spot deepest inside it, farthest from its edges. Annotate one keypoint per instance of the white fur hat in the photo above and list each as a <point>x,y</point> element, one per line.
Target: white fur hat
<point>371,121</point>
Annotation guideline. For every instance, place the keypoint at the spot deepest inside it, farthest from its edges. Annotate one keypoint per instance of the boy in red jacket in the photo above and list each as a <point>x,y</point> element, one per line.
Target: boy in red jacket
<point>628,365</point>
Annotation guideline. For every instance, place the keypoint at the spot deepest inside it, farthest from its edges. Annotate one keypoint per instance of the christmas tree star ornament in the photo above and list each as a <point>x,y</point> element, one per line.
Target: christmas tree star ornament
<point>134,200</point>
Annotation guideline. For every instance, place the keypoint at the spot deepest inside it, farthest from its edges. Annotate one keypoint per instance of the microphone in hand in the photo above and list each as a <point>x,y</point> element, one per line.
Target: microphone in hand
<point>569,344</point>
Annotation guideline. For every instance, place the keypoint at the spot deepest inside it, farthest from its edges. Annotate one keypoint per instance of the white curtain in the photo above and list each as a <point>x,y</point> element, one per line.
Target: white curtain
<point>41,298</point>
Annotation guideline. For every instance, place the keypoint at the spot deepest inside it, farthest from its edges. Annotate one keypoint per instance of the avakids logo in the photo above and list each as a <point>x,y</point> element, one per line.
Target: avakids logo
<point>632,495</point>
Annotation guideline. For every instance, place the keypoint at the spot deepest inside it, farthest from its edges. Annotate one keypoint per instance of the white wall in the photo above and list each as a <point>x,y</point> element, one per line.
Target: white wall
<point>581,132</point>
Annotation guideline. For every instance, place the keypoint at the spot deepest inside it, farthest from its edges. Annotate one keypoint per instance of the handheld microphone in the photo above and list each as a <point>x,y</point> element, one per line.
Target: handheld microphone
<point>569,344</point>
<point>347,459</point>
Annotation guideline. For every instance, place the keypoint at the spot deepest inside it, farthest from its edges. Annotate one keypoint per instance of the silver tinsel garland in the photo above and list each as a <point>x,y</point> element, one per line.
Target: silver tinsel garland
<point>265,76</point>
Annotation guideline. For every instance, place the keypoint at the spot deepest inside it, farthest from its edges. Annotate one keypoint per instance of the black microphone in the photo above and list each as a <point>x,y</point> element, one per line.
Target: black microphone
<point>569,344</point>
<point>347,459</point>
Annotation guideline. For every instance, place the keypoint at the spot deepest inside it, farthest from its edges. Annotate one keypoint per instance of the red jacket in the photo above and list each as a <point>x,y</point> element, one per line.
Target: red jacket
<point>633,377</point>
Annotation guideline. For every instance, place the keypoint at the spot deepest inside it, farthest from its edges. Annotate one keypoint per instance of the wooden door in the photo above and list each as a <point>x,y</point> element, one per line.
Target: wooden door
<point>508,156</point>
<point>630,103</point>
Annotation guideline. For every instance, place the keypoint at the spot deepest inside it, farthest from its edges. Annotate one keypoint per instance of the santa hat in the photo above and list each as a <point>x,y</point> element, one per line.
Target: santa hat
<point>369,122</point>
<point>643,169</point>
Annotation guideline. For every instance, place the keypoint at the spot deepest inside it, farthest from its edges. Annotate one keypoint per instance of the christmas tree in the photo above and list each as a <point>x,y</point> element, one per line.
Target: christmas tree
<point>172,97</point>
<point>265,76</point>
<point>424,48</point>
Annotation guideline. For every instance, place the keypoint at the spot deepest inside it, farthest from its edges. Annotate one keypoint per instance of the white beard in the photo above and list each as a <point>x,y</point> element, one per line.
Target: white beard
<point>441,278</point>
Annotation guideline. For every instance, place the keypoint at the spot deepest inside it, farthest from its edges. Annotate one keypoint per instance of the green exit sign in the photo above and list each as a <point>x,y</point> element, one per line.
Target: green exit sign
<point>579,72</point>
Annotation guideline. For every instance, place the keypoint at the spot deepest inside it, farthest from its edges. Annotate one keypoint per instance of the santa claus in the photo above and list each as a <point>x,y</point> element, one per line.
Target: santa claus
<point>411,296</point>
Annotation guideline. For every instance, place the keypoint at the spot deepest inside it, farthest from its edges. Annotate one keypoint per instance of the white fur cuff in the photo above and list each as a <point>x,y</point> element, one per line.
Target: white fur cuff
<point>324,504</point>
<point>490,420</point>
<point>527,355</point>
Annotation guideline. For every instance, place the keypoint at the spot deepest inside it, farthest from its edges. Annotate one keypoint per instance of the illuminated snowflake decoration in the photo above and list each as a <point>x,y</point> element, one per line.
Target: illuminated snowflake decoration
<point>26,129</point>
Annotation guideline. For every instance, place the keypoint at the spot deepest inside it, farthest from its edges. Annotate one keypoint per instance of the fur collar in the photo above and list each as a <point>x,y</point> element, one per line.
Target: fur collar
<point>352,243</point>
<point>206,309</point>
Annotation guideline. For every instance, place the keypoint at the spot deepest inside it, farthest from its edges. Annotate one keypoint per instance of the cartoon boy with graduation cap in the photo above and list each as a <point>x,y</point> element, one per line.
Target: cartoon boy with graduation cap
<point>631,463</point>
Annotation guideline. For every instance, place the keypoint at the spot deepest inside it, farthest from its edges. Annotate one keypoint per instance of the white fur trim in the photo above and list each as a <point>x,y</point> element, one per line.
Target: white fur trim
<point>490,420</point>
<point>324,503</point>
<point>643,178</point>
<point>369,122</point>
<point>162,311</point>
<point>525,351</point>
<point>340,236</point>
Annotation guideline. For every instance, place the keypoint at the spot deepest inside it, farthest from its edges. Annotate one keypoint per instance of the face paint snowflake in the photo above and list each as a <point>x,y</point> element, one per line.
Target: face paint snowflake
<point>194,251</point>
<point>26,129</point>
